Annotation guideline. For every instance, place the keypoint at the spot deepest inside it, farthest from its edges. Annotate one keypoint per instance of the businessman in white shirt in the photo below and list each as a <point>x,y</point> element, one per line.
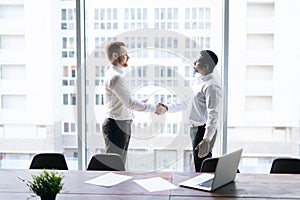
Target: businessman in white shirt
<point>204,106</point>
<point>116,127</point>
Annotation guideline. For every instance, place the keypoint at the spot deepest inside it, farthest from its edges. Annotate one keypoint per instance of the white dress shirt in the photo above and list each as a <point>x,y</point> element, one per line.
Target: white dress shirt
<point>119,103</point>
<point>205,105</point>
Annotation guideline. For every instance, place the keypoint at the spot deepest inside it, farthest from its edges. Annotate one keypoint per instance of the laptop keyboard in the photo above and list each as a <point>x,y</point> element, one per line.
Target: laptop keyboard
<point>206,183</point>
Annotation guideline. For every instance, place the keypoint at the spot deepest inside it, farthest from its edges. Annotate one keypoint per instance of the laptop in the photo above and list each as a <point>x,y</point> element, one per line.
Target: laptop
<point>225,173</point>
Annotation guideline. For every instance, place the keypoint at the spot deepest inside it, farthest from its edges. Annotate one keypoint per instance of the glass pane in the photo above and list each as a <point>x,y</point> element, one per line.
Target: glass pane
<point>36,113</point>
<point>162,49</point>
<point>263,98</point>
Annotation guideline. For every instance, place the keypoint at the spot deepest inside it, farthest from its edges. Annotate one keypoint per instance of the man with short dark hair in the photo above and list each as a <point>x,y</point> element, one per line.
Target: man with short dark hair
<point>204,108</point>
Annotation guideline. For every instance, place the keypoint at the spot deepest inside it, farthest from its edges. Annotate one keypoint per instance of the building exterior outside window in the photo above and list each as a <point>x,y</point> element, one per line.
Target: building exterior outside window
<point>38,78</point>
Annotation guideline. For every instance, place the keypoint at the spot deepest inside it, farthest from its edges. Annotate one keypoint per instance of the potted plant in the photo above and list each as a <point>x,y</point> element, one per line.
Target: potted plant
<point>46,184</point>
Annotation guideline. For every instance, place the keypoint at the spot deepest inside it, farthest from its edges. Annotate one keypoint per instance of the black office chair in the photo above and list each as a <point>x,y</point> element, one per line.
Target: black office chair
<point>49,161</point>
<point>285,166</point>
<point>106,162</point>
<point>209,165</point>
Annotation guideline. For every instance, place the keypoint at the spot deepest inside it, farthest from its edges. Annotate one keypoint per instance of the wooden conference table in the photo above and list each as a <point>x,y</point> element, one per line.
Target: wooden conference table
<point>245,186</point>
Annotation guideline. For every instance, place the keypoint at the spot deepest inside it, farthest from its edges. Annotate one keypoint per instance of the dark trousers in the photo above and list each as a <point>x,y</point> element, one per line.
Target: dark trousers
<point>196,135</point>
<point>117,136</point>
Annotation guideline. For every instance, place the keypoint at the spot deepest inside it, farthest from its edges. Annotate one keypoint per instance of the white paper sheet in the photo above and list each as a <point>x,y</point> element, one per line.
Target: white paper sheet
<point>155,184</point>
<point>108,179</point>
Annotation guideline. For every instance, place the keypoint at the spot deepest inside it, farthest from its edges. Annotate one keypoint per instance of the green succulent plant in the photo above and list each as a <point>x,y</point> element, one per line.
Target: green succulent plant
<point>46,184</point>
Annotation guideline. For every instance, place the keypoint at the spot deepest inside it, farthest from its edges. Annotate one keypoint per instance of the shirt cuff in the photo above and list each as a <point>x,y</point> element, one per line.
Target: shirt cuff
<point>152,108</point>
<point>209,134</point>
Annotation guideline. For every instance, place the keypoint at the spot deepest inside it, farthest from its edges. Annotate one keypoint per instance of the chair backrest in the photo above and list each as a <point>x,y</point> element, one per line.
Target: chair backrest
<point>285,166</point>
<point>106,162</point>
<point>49,161</point>
<point>209,165</point>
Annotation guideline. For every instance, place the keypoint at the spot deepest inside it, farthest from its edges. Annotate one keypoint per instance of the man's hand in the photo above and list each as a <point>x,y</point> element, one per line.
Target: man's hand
<point>161,109</point>
<point>203,148</point>
<point>144,100</point>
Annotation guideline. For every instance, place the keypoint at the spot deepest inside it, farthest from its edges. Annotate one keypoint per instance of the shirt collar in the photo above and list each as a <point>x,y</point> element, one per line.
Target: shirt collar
<point>118,69</point>
<point>206,77</point>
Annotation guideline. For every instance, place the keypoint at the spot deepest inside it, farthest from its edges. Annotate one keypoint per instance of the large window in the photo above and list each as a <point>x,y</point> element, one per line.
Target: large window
<point>37,74</point>
<point>263,97</point>
<point>162,50</point>
<point>41,103</point>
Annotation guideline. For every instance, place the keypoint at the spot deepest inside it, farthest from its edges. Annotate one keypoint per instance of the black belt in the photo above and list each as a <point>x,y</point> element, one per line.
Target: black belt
<point>125,120</point>
<point>195,126</point>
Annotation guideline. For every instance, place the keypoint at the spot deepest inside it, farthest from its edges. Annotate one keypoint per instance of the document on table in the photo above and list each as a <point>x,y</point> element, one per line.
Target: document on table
<point>155,184</point>
<point>108,179</point>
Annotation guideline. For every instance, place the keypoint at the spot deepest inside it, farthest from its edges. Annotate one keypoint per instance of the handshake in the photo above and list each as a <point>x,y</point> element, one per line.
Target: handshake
<point>161,109</point>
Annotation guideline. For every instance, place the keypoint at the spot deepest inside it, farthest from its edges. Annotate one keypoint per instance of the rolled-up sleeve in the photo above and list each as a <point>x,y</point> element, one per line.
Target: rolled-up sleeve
<point>119,88</point>
<point>213,101</point>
